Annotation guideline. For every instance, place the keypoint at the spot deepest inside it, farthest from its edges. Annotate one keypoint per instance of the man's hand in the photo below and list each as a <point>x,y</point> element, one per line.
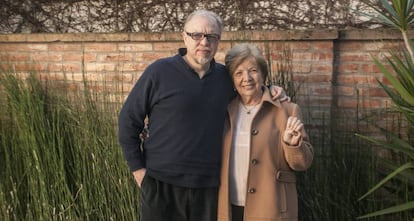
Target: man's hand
<point>139,176</point>
<point>292,133</point>
<point>278,93</point>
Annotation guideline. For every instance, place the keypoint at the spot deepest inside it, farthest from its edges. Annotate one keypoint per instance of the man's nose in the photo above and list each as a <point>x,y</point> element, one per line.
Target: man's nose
<point>204,41</point>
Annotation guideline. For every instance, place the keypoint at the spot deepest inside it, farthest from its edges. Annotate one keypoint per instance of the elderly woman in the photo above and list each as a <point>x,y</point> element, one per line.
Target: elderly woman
<point>264,143</point>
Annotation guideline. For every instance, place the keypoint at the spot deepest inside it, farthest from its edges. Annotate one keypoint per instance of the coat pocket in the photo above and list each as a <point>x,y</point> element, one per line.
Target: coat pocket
<point>285,179</point>
<point>286,176</point>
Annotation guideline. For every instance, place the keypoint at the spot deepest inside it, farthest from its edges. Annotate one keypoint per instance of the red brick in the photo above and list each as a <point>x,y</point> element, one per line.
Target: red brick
<point>99,67</point>
<point>345,90</point>
<point>350,46</point>
<point>312,78</point>
<point>12,57</point>
<point>152,56</point>
<point>319,56</point>
<point>98,47</point>
<point>303,56</point>
<point>377,92</point>
<point>72,56</point>
<point>355,79</point>
<point>45,57</point>
<point>30,67</point>
<point>322,91</point>
<point>322,68</point>
<point>322,45</point>
<point>354,56</point>
<point>64,47</point>
<point>370,103</point>
<point>348,68</point>
<point>170,46</point>
<point>64,67</point>
<point>138,47</point>
<point>53,76</point>
<point>36,47</point>
<point>370,68</point>
<point>346,102</point>
<point>300,45</point>
<point>127,66</point>
<point>89,57</point>
<point>114,57</point>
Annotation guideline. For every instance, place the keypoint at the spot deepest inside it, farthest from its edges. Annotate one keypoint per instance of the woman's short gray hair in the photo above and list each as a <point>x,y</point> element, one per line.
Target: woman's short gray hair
<point>239,53</point>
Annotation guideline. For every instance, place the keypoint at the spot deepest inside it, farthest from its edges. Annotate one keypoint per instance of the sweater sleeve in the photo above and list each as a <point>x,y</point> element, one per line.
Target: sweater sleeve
<point>131,121</point>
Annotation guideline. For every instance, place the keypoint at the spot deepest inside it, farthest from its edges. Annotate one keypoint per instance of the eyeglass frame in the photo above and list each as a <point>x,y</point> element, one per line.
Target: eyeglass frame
<point>210,37</point>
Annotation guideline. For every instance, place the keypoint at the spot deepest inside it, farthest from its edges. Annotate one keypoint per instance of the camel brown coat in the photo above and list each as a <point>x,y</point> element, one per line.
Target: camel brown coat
<point>271,184</point>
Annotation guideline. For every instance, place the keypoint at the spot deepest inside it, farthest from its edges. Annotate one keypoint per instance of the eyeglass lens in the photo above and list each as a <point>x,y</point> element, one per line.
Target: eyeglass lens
<point>199,36</point>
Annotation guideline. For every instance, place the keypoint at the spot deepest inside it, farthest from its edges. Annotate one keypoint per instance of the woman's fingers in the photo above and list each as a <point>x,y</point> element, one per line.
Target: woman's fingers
<point>294,124</point>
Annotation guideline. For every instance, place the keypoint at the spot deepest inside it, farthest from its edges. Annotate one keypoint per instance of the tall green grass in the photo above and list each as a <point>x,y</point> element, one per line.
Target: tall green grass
<point>340,172</point>
<point>59,155</point>
<point>342,169</point>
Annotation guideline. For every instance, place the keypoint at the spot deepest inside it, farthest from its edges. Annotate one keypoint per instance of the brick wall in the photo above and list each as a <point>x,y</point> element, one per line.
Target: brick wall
<point>334,69</point>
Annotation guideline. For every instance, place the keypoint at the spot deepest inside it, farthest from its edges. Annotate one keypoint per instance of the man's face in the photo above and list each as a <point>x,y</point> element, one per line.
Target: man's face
<point>201,51</point>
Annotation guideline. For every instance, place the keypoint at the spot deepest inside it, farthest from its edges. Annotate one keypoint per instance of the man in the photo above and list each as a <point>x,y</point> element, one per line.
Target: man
<point>185,98</point>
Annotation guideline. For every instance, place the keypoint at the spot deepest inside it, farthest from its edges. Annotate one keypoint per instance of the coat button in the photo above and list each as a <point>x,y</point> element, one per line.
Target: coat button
<point>254,161</point>
<point>255,132</point>
<point>252,190</point>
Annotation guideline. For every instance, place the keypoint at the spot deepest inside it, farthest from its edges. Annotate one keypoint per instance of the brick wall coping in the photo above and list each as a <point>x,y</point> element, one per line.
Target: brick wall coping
<point>307,35</point>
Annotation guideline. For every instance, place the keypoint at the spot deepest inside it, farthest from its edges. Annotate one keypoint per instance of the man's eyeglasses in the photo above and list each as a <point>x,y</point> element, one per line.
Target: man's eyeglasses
<point>198,36</point>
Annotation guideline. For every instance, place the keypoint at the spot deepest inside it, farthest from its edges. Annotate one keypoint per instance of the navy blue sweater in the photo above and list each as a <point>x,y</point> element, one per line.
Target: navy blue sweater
<point>186,117</point>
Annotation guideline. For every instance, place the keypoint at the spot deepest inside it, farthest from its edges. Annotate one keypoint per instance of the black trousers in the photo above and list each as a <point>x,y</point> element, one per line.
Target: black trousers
<point>165,202</point>
<point>237,213</point>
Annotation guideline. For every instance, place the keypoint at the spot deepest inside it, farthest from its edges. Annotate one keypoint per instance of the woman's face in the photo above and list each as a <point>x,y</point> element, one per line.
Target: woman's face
<point>248,79</point>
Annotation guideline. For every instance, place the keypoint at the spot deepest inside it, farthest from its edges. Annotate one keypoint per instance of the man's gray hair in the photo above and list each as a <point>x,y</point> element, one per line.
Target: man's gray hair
<point>205,13</point>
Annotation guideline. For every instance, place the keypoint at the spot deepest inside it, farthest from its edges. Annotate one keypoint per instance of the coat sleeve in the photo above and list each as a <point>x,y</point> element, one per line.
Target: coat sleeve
<point>300,157</point>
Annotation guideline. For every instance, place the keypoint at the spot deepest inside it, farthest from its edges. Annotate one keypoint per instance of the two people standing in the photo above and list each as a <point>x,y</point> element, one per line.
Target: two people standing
<point>185,98</point>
